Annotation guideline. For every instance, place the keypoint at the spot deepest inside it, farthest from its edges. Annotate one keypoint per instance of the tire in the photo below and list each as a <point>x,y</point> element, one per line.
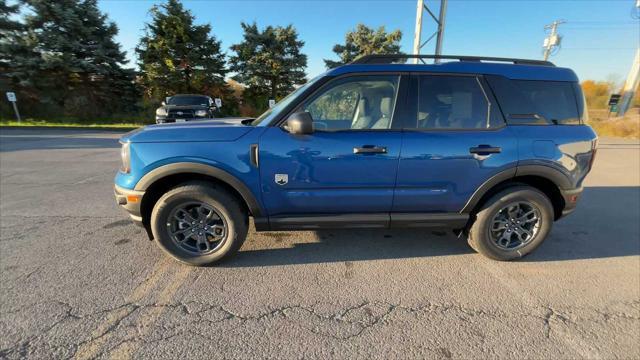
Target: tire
<point>485,239</point>
<point>168,217</point>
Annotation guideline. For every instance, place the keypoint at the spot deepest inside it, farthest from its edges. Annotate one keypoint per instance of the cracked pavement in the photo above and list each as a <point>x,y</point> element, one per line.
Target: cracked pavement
<point>78,280</point>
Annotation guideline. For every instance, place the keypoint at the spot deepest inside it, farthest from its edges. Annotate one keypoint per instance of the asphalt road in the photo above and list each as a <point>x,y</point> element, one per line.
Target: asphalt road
<point>79,280</point>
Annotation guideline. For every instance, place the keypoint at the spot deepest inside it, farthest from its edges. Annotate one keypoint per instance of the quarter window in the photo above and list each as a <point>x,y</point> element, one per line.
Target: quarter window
<point>355,103</point>
<point>452,102</point>
<point>533,102</point>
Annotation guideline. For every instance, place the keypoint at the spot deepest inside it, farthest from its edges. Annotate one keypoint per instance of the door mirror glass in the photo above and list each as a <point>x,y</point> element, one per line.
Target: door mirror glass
<point>300,123</point>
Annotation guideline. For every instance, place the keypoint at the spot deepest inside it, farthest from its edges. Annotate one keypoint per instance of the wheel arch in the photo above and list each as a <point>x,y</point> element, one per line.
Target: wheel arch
<point>160,180</point>
<point>543,178</point>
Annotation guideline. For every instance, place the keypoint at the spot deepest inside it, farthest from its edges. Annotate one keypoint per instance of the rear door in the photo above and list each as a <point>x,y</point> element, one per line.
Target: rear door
<point>454,140</point>
<point>348,165</point>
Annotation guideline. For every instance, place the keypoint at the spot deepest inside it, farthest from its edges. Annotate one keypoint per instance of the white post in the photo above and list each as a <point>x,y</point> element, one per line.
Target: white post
<point>441,19</point>
<point>15,108</point>
<point>630,85</point>
<point>418,30</point>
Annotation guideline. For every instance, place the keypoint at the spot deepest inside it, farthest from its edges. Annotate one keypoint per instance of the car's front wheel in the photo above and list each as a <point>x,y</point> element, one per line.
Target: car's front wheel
<point>512,223</point>
<point>199,224</point>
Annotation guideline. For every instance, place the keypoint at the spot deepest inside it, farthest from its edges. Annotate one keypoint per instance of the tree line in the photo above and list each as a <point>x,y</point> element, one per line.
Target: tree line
<point>62,60</point>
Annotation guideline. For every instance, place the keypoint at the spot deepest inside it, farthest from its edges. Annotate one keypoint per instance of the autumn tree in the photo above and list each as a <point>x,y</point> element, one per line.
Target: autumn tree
<point>365,41</point>
<point>597,93</point>
<point>268,62</point>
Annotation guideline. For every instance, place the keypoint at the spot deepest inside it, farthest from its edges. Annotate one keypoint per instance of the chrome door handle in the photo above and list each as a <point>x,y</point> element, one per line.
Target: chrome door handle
<point>370,149</point>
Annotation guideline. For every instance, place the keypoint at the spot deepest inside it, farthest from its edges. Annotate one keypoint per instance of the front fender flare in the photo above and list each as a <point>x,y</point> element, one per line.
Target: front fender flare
<point>191,167</point>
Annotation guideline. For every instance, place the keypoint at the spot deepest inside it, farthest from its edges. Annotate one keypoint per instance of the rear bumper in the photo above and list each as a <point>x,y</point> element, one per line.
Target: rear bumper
<point>130,201</point>
<point>571,198</point>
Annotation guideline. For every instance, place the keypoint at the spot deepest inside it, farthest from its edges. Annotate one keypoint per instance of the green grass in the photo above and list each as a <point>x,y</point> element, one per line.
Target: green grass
<point>71,124</point>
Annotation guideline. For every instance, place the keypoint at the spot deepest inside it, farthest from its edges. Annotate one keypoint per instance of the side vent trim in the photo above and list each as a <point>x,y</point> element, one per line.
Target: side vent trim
<point>254,155</point>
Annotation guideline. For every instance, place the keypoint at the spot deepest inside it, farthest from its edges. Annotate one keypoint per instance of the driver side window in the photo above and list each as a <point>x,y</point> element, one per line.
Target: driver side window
<point>354,103</point>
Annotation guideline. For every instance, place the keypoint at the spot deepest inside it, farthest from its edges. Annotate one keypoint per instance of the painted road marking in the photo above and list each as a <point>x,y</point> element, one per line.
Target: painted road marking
<point>102,334</point>
<point>126,349</point>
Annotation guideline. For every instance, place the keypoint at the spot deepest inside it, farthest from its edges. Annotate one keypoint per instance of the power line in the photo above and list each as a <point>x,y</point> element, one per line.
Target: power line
<point>596,22</point>
<point>598,48</point>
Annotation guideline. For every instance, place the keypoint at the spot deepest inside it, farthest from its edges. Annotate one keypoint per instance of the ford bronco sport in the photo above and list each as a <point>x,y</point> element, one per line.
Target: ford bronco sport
<point>495,149</point>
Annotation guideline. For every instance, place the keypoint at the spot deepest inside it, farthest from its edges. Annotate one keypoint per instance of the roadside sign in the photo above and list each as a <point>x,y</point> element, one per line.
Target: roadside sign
<point>272,103</point>
<point>218,102</point>
<point>11,96</point>
<point>614,99</point>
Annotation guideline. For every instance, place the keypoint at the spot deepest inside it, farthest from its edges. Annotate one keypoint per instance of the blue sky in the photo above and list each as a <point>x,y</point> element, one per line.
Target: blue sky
<point>599,37</point>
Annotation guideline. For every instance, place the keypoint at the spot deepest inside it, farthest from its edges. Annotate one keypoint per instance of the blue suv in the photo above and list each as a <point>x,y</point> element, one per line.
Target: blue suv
<point>495,149</point>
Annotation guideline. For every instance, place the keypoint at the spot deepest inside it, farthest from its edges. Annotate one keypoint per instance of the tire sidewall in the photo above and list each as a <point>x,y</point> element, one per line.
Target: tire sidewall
<point>480,229</point>
<point>220,201</point>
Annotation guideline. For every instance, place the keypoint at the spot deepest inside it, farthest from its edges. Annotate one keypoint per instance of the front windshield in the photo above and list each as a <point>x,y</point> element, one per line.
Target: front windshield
<point>188,100</point>
<point>268,115</point>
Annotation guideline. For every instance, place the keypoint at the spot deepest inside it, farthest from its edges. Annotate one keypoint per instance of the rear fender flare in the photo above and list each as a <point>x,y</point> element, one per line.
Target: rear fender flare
<point>561,180</point>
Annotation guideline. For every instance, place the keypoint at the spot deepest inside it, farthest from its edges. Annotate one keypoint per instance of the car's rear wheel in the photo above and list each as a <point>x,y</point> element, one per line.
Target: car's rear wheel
<point>512,223</point>
<point>199,224</point>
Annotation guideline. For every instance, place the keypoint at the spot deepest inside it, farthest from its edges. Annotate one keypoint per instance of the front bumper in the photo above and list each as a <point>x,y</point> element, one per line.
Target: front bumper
<point>165,119</point>
<point>130,201</point>
<point>571,198</point>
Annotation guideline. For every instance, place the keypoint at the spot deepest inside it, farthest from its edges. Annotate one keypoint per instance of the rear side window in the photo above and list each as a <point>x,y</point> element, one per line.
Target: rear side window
<point>533,102</point>
<point>452,102</point>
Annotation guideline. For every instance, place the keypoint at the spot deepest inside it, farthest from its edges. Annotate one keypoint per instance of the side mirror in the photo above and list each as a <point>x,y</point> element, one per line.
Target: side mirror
<point>163,103</point>
<point>300,123</point>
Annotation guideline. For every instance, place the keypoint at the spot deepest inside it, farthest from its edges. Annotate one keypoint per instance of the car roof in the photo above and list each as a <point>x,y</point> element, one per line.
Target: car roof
<point>511,71</point>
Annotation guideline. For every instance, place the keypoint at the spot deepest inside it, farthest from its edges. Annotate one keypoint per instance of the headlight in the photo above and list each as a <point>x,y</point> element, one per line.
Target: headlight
<point>125,156</point>
<point>201,113</point>
<point>161,112</point>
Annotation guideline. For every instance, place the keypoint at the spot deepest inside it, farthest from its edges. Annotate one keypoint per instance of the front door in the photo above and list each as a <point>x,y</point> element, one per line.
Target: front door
<point>453,142</point>
<point>348,165</point>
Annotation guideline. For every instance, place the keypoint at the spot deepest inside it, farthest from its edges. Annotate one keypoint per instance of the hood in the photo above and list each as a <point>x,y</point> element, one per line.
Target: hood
<point>227,129</point>
<point>185,107</point>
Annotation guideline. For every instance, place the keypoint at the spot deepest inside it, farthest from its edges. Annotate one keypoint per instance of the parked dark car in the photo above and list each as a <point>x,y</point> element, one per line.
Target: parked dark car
<point>495,149</point>
<point>185,107</point>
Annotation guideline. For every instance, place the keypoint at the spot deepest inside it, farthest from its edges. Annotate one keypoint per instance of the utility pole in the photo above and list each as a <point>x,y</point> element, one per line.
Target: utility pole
<point>553,40</point>
<point>630,85</point>
<point>633,80</point>
<point>439,34</point>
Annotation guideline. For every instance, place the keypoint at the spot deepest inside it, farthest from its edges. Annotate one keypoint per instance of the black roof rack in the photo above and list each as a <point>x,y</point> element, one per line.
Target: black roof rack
<point>391,58</point>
